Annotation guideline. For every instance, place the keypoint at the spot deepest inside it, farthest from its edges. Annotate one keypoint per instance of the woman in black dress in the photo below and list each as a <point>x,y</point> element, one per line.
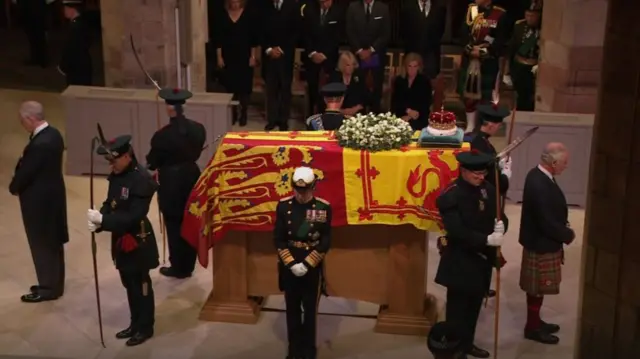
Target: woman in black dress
<point>236,42</point>
<point>411,93</point>
<point>355,99</point>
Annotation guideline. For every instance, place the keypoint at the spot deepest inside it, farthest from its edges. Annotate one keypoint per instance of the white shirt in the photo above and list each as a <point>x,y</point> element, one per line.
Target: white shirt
<point>547,173</point>
<point>426,8</point>
<point>40,128</point>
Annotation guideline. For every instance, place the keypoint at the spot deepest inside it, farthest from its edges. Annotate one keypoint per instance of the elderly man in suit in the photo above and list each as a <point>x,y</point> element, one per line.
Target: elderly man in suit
<point>368,34</point>
<point>544,231</point>
<point>39,184</point>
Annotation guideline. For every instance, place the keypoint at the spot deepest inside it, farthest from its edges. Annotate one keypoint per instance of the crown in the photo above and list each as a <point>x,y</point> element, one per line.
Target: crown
<point>442,120</point>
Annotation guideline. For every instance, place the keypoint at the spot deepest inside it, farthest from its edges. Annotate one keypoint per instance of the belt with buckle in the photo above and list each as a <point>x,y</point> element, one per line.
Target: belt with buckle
<point>299,244</point>
<point>526,61</point>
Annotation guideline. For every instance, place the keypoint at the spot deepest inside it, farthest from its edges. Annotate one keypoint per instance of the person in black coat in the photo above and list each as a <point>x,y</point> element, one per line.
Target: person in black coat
<point>323,28</point>
<point>281,25</point>
<point>469,249</point>
<point>236,41</point>
<point>39,184</point>
<point>75,63</point>
<point>133,244</point>
<point>33,15</point>
<point>422,25</point>
<point>356,96</point>
<point>411,93</point>
<point>544,231</point>
<point>174,151</point>
<point>332,118</point>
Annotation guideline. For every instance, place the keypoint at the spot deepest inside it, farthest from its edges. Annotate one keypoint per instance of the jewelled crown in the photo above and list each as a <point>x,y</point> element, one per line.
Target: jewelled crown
<point>442,120</point>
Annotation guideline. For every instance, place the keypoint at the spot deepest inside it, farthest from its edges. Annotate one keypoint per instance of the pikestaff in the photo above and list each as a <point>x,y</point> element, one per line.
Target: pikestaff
<point>94,251</point>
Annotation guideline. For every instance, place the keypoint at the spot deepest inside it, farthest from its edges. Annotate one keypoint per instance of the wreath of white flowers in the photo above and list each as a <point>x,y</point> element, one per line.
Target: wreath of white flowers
<point>371,132</point>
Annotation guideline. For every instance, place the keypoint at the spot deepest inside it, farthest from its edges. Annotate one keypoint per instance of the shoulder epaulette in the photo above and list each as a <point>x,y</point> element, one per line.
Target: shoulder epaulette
<point>323,201</point>
<point>499,8</point>
<point>286,199</point>
<point>520,21</point>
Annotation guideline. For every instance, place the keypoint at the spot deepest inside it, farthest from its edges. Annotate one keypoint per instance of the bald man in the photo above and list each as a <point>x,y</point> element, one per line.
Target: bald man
<point>544,231</point>
<point>39,185</point>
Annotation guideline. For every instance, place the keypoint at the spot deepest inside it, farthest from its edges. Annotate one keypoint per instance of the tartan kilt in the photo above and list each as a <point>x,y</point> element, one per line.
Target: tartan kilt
<point>541,274</point>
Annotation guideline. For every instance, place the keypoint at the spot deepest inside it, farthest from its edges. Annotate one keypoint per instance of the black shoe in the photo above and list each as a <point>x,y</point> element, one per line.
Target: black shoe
<point>478,353</point>
<point>491,293</point>
<point>541,336</point>
<point>269,127</point>
<point>36,298</point>
<point>549,328</point>
<point>34,289</point>
<point>243,120</point>
<point>125,334</point>
<point>172,272</point>
<point>138,339</point>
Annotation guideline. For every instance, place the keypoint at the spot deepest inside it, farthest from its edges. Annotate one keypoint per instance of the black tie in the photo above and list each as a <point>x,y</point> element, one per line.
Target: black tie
<point>367,11</point>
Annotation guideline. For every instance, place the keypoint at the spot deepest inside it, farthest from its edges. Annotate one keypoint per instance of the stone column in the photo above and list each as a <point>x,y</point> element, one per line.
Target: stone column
<point>571,52</point>
<point>153,26</point>
<point>609,324</point>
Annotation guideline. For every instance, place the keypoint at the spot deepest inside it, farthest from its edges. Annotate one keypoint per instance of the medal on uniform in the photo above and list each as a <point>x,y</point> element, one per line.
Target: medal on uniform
<point>481,205</point>
<point>483,192</point>
<point>315,236</point>
<point>124,193</point>
<point>113,204</point>
<point>321,216</point>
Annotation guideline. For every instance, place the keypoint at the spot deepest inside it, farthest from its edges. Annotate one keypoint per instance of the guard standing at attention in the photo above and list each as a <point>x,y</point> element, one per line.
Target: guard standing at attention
<point>468,251</point>
<point>332,118</point>
<point>302,236</point>
<point>76,64</point>
<point>133,243</point>
<point>174,151</point>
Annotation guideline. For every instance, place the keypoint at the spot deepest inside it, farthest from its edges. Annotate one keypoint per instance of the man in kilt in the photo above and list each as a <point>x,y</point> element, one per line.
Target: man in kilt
<point>544,230</point>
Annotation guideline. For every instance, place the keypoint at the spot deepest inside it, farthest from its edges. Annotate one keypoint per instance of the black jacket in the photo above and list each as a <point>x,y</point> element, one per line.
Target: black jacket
<point>544,222</point>
<point>323,37</point>
<point>481,143</point>
<point>417,97</point>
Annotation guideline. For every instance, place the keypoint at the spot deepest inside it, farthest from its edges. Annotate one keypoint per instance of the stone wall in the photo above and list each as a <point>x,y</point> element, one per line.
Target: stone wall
<point>571,55</point>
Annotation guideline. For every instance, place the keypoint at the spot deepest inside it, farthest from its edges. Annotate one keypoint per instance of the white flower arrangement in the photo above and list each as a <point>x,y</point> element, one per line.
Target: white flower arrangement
<point>371,132</point>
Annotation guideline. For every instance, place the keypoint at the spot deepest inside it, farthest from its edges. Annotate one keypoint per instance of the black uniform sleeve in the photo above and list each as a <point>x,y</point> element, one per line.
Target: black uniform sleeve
<point>316,256</point>
<point>456,231</point>
<point>140,196</point>
<point>157,154</point>
<point>280,237</point>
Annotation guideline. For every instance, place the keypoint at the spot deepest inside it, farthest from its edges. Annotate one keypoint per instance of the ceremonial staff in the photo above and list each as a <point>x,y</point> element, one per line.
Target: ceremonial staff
<point>94,249</point>
<point>158,125</point>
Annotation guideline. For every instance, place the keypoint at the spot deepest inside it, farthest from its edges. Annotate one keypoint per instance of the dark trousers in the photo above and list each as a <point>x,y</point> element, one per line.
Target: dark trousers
<point>524,82</point>
<point>303,293</point>
<point>240,112</point>
<point>36,32</point>
<point>181,254</point>
<point>463,309</point>
<point>141,301</point>
<point>376,76</point>
<point>278,76</point>
<point>48,260</point>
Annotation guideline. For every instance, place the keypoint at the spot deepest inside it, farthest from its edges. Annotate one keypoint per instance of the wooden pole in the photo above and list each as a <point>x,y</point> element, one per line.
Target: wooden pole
<point>496,322</point>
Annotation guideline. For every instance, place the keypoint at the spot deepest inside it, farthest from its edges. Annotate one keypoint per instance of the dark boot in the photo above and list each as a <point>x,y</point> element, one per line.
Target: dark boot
<point>478,353</point>
<point>549,328</point>
<point>138,339</point>
<point>541,336</point>
<point>172,272</point>
<point>125,333</point>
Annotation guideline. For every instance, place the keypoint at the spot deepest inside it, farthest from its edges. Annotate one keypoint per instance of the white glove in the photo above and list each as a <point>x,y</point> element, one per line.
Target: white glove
<point>495,239</point>
<point>505,166</point>
<point>534,70</point>
<point>94,216</point>
<point>299,269</point>
<point>499,227</point>
<point>92,226</point>
<point>507,80</point>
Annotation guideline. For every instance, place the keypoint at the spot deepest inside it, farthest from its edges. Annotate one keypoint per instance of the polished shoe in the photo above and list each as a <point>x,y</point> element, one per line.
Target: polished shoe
<point>34,288</point>
<point>125,334</point>
<point>35,298</point>
<point>173,273</point>
<point>269,127</point>
<point>549,328</point>
<point>541,336</point>
<point>478,353</point>
<point>491,293</point>
<point>138,339</point>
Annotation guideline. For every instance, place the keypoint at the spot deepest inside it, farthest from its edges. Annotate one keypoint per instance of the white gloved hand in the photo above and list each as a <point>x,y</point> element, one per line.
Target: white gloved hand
<point>499,227</point>
<point>495,239</point>
<point>505,165</point>
<point>534,70</point>
<point>299,269</point>
<point>92,226</point>
<point>507,80</point>
<point>94,216</point>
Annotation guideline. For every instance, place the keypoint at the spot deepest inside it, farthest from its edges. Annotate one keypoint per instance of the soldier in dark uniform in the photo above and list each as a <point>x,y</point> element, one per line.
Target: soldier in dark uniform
<point>524,51</point>
<point>323,23</point>
<point>302,236</point>
<point>484,38</point>
<point>174,151</point>
<point>133,243</point>
<point>75,63</point>
<point>469,249</point>
<point>332,118</point>
<point>444,341</point>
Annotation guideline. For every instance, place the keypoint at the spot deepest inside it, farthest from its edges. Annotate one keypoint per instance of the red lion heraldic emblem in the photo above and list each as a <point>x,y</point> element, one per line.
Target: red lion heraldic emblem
<point>417,183</point>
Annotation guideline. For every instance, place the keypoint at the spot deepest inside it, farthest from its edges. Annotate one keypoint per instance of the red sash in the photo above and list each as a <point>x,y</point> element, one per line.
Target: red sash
<point>482,25</point>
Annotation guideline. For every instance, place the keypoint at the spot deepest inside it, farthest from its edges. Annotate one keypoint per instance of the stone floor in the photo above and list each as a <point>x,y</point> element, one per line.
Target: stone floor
<point>68,328</point>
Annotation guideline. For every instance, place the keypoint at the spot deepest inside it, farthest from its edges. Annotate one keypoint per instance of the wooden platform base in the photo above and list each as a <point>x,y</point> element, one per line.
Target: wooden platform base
<point>247,312</point>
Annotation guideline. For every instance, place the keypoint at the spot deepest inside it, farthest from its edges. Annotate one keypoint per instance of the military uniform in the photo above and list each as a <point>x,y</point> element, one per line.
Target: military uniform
<point>174,151</point>
<point>524,51</point>
<point>484,28</point>
<point>76,61</point>
<point>469,251</point>
<point>444,341</point>
<point>332,118</point>
<point>302,236</point>
<point>133,243</point>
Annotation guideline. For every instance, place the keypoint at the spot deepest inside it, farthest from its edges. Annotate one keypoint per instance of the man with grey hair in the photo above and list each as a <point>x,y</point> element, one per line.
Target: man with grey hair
<point>39,184</point>
<point>544,230</point>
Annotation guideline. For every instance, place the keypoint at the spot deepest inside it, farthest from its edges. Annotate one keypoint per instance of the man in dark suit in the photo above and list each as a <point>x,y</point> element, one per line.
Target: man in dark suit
<point>323,28</point>
<point>279,36</point>
<point>33,14</point>
<point>39,184</point>
<point>544,230</point>
<point>422,25</point>
<point>75,63</point>
<point>368,33</point>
